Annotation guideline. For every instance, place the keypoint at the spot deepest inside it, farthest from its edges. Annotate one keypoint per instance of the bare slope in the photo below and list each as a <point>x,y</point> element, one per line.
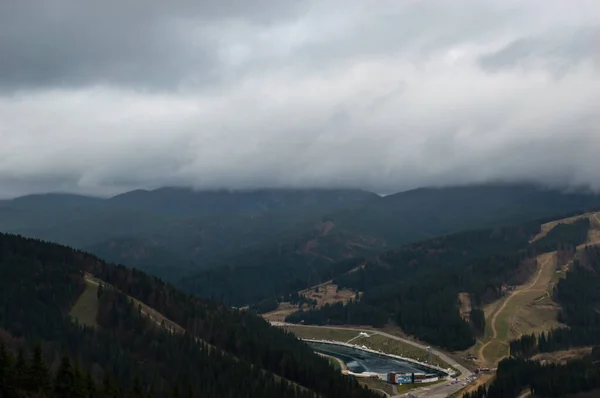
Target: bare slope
<point>147,311</point>
<point>504,316</point>
<point>324,293</point>
<point>85,308</point>
<point>530,308</point>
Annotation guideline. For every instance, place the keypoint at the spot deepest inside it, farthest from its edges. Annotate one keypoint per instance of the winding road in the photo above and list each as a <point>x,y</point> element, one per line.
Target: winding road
<point>510,297</point>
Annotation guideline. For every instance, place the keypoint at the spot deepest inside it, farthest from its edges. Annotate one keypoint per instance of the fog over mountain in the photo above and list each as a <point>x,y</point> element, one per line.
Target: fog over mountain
<point>111,96</point>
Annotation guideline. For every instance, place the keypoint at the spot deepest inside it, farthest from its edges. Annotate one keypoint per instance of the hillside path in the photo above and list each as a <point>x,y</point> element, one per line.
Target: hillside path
<point>510,297</point>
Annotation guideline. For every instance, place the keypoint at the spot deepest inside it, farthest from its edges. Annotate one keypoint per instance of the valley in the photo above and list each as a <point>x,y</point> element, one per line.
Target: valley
<point>314,272</point>
<point>299,199</point>
<point>527,306</point>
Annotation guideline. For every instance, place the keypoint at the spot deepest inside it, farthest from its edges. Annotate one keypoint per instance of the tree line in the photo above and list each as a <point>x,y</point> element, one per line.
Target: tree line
<point>578,294</point>
<point>515,376</point>
<point>28,375</point>
<point>223,352</point>
<point>417,286</point>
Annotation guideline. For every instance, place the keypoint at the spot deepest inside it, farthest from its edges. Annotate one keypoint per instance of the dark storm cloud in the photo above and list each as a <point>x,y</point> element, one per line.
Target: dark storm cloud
<point>102,97</point>
<point>157,45</point>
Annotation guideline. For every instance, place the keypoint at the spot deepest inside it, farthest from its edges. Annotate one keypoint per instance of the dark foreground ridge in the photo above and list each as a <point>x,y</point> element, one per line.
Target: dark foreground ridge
<point>223,352</point>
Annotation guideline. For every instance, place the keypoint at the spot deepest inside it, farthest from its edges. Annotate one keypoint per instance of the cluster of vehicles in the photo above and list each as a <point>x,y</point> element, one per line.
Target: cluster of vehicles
<point>464,381</point>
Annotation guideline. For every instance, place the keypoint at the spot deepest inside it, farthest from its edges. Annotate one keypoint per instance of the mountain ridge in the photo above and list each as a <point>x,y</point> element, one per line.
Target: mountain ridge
<point>273,233</point>
<point>41,281</point>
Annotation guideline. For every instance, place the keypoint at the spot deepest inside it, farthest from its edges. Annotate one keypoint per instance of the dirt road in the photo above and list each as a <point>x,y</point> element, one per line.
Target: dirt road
<point>508,299</point>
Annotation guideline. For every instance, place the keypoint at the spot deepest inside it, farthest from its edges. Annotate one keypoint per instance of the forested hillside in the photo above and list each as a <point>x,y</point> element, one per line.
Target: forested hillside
<point>579,296</point>
<point>417,286</point>
<point>172,232</point>
<point>515,376</point>
<point>223,352</point>
<point>248,246</point>
<point>273,271</point>
<point>429,212</point>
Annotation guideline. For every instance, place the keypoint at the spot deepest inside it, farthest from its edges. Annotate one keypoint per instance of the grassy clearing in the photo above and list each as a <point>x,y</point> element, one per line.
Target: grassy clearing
<point>86,307</point>
<point>321,333</point>
<point>328,293</point>
<point>593,238</point>
<point>527,309</point>
<point>535,317</point>
<point>278,315</point>
<point>396,347</point>
<point>156,317</point>
<point>563,356</point>
<point>495,350</point>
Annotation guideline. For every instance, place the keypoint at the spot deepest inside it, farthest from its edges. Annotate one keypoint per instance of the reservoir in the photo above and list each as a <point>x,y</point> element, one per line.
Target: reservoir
<point>360,361</point>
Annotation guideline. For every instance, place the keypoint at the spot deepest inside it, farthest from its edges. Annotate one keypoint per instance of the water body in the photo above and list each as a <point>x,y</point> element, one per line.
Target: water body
<point>360,361</point>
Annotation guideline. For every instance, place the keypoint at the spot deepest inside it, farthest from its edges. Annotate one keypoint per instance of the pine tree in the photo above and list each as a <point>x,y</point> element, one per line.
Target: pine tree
<point>136,390</point>
<point>64,380</point>
<point>109,388</point>
<point>6,374</point>
<point>90,386</point>
<point>79,382</point>
<point>542,343</point>
<point>151,393</point>
<point>21,371</point>
<point>39,378</point>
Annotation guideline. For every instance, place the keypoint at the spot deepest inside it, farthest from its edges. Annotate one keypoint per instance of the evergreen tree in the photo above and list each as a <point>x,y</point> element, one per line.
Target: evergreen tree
<point>6,373</point>
<point>91,386</point>
<point>136,389</point>
<point>109,387</point>
<point>22,374</point>
<point>39,378</point>
<point>79,382</point>
<point>64,380</point>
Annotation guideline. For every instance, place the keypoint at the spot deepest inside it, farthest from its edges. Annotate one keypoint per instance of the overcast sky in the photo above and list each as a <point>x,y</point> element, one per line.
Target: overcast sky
<point>105,96</point>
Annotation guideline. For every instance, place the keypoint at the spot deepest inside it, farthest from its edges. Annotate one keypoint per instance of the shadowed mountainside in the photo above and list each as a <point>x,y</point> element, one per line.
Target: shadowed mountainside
<point>223,352</point>
<point>248,246</point>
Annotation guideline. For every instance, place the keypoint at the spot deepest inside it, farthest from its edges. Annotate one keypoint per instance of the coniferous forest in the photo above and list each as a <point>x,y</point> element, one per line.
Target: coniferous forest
<point>579,296</point>
<point>578,293</point>
<point>417,286</point>
<point>514,376</point>
<point>223,352</point>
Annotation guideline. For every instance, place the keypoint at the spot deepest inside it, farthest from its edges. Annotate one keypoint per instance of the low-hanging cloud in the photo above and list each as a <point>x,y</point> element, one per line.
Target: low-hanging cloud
<point>108,97</point>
